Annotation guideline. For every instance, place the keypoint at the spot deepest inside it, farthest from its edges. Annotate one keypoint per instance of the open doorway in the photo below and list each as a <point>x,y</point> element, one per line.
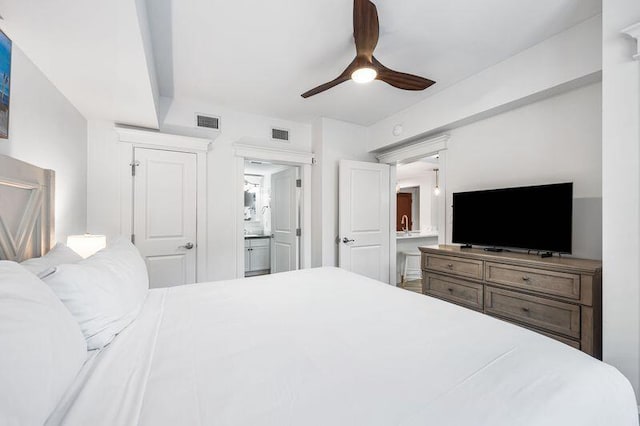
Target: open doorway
<point>417,216</point>
<point>272,219</point>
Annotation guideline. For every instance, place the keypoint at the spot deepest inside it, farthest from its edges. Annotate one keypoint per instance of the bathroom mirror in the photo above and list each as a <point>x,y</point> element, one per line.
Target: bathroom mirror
<point>408,208</point>
<point>253,197</point>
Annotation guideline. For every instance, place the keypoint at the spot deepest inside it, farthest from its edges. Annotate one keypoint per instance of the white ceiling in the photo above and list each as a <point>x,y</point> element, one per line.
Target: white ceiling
<point>262,168</point>
<point>92,51</point>
<point>259,56</point>
<point>417,168</point>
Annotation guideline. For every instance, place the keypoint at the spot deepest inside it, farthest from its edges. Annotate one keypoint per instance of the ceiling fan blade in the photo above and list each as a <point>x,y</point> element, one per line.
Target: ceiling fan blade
<point>345,76</point>
<point>401,80</point>
<point>325,86</point>
<point>366,28</point>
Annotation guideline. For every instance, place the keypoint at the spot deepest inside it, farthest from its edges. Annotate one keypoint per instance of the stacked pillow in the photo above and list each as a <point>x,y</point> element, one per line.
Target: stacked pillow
<point>47,327</point>
<point>41,347</point>
<point>58,255</point>
<point>104,292</point>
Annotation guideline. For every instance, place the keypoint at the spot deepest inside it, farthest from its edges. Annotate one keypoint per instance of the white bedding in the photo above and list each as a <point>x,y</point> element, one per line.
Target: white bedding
<point>326,347</point>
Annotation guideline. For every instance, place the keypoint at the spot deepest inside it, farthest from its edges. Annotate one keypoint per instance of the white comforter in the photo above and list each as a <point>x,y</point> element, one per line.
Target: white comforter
<point>327,347</point>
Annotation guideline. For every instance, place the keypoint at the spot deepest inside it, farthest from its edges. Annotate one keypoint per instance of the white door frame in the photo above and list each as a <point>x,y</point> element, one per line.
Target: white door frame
<point>129,139</point>
<point>407,154</point>
<point>304,160</point>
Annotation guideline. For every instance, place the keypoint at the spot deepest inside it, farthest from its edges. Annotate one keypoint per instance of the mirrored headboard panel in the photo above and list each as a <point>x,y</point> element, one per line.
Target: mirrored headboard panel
<point>27,225</point>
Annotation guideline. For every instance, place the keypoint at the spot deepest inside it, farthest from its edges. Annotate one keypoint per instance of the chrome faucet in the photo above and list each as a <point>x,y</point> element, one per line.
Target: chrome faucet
<point>404,223</point>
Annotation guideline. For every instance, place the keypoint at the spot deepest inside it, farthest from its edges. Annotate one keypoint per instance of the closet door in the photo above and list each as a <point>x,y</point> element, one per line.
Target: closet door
<point>363,211</point>
<point>164,210</point>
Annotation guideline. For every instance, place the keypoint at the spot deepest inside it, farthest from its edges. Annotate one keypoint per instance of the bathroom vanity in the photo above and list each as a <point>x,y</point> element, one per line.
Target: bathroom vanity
<point>257,255</point>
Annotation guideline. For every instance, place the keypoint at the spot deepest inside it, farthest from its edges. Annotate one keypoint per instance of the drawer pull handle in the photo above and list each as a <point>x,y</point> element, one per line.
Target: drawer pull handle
<point>450,265</point>
<point>525,278</point>
<point>526,310</point>
<point>450,290</point>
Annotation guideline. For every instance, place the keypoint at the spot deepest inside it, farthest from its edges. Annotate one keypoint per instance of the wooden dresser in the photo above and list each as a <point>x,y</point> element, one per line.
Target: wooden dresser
<point>558,297</point>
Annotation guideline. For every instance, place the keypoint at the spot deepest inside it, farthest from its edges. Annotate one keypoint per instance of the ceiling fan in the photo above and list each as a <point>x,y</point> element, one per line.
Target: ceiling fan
<point>365,67</point>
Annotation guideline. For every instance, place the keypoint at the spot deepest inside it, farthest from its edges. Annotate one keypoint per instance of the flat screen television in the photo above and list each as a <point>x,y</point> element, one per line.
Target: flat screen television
<point>532,218</point>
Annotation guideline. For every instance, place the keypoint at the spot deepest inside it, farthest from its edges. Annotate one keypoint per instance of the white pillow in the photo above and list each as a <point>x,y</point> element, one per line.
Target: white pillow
<point>41,347</point>
<point>103,292</point>
<point>58,255</point>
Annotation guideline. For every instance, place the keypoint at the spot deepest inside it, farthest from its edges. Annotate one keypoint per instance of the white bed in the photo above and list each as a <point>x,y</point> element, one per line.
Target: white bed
<point>327,347</point>
<point>313,347</point>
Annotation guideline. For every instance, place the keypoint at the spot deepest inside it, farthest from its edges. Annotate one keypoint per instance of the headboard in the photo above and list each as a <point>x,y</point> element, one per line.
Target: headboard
<point>27,225</point>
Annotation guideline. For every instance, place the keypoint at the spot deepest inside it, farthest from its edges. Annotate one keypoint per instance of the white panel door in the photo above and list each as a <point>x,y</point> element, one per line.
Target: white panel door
<point>164,210</point>
<point>364,218</point>
<point>284,221</point>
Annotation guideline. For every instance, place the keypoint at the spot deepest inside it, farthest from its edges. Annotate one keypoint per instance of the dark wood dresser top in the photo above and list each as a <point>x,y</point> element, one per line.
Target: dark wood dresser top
<point>568,264</point>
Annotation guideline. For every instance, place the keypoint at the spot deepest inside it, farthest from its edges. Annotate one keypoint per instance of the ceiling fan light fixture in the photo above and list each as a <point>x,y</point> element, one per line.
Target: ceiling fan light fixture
<point>364,75</point>
<point>365,67</point>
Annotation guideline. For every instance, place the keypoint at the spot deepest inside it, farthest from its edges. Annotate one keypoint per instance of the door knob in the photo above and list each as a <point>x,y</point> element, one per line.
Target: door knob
<point>347,240</point>
<point>187,246</point>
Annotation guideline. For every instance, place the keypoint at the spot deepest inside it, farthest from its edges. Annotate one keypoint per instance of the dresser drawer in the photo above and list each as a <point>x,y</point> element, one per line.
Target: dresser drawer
<point>549,315</point>
<point>573,343</point>
<point>538,280</point>
<point>454,265</point>
<point>462,292</point>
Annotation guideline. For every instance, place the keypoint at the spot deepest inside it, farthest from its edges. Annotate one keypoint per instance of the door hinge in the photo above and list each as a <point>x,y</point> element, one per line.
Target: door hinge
<point>133,239</point>
<point>298,232</point>
<point>298,183</point>
<point>133,167</point>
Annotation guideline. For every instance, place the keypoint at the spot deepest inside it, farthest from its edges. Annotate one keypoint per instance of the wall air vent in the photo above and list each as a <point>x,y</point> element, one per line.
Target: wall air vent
<point>208,121</point>
<point>280,134</point>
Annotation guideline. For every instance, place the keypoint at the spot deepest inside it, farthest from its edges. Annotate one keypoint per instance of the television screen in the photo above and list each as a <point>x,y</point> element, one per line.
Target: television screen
<point>532,218</point>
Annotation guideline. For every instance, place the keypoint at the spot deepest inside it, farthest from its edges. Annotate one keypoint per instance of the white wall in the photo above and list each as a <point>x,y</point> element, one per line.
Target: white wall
<point>47,131</point>
<point>179,118</point>
<point>554,140</point>
<point>621,189</point>
<point>235,126</point>
<point>569,58</point>
<point>333,141</point>
<point>103,179</point>
<point>316,193</point>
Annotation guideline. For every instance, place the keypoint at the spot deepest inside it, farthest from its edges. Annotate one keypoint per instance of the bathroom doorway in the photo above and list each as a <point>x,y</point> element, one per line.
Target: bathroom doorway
<point>272,218</point>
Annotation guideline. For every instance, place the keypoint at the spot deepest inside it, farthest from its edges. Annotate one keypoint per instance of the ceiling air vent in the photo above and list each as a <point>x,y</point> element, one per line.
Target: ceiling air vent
<point>280,134</point>
<point>208,121</point>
